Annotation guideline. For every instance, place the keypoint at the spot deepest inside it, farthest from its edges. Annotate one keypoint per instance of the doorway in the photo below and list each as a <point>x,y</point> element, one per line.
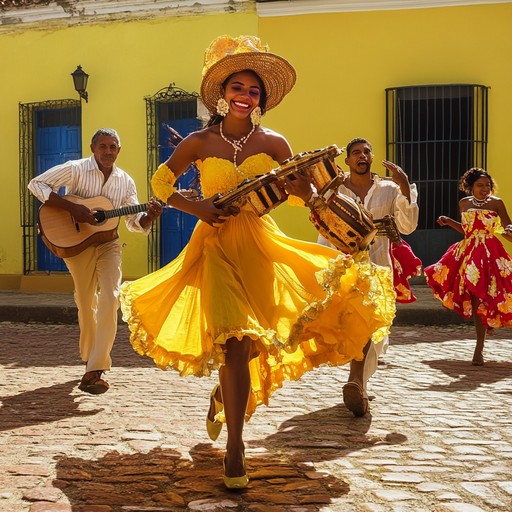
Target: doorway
<point>50,134</point>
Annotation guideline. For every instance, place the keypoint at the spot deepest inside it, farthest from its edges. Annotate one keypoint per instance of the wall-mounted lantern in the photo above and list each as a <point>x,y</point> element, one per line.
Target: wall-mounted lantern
<point>80,82</point>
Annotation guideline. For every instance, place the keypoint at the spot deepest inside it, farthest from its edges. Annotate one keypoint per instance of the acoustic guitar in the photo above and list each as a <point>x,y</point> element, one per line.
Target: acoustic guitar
<point>65,237</point>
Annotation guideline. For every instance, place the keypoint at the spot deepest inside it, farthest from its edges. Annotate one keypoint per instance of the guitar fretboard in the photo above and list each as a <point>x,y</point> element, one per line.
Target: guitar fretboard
<point>125,210</point>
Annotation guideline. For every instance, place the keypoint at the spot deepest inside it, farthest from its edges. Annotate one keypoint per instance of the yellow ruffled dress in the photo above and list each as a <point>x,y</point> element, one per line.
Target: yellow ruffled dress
<point>301,303</point>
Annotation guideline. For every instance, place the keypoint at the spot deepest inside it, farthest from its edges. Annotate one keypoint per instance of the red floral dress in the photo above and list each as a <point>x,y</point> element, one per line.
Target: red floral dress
<point>478,265</point>
<point>405,265</point>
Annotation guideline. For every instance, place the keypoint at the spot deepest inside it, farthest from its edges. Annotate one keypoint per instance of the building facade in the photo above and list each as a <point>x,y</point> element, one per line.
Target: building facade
<point>426,82</point>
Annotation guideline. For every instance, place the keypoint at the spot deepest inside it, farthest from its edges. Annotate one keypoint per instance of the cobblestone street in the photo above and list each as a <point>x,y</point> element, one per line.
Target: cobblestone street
<point>439,436</point>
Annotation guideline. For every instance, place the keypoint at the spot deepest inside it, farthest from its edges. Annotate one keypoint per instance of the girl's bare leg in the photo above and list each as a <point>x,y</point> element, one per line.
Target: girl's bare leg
<point>236,385</point>
<point>478,357</point>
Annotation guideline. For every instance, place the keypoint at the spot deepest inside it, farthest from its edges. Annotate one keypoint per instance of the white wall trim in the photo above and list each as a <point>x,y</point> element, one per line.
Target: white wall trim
<point>297,7</point>
<point>92,11</point>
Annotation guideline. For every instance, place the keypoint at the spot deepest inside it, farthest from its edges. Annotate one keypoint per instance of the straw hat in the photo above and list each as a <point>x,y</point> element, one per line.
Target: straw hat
<point>227,55</point>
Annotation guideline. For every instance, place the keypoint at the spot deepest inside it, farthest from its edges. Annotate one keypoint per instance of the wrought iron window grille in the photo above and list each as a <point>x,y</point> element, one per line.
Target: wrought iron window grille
<point>57,111</point>
<point>435,133</point>
<point>170,102</point>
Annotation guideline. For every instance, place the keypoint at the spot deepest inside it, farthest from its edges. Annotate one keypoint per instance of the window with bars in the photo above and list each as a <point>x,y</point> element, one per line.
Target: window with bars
<point>435,133</point>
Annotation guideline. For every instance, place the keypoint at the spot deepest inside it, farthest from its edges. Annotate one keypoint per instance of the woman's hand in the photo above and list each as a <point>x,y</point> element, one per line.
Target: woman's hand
<point>299,184</point>
<point>206,211</point>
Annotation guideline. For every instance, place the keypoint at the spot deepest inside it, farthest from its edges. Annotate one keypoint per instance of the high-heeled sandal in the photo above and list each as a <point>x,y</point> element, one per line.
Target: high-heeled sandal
<point>214,427</point>
<point>235,482</point>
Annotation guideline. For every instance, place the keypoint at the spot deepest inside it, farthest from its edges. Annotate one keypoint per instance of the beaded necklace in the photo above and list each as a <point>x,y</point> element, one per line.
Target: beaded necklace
<point>237,144</point>
<point>479,202</point>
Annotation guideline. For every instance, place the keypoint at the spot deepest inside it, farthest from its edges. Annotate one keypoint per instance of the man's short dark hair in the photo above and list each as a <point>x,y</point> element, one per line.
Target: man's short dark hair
<point>358,140</point>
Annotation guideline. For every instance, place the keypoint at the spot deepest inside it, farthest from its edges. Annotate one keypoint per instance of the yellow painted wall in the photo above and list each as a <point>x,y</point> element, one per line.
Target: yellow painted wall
<point>126,61</point>
<point>345,61</point>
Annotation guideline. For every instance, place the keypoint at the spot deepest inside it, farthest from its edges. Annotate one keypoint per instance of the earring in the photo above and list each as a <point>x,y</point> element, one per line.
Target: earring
<point>256,116</point>
<point>222,107</point>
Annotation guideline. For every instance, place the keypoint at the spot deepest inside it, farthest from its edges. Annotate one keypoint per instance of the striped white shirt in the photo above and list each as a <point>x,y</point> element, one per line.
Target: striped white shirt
<point>84,179</point>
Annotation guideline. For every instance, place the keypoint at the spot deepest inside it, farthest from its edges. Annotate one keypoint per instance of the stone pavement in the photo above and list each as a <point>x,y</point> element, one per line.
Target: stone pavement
<point>439,436</point>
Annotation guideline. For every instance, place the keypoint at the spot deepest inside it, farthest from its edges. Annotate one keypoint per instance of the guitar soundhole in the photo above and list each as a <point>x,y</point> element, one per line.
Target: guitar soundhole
<point>100,216</point>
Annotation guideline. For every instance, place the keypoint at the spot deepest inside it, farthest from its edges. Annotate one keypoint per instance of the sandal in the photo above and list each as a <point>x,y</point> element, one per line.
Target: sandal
<point>93,383</point>
<point>354,399</point>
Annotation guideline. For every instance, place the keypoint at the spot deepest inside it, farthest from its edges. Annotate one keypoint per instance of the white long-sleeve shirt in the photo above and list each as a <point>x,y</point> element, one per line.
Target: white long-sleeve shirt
<point>386,198</point>
<point>84,179</point>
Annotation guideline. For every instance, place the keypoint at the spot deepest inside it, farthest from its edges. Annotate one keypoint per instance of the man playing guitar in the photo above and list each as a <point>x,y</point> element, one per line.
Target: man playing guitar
<point>96,268</point>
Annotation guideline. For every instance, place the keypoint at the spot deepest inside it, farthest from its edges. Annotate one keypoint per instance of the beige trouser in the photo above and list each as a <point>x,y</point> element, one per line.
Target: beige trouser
<point>96,273</point>
<point>372,359</point>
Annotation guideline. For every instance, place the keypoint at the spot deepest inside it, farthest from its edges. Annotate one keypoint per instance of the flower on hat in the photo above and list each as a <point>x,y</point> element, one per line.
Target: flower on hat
<point>225,45</point>
<point>227,55</point>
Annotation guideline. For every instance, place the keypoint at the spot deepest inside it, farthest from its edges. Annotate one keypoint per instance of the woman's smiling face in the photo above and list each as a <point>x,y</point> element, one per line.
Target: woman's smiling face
<point>243,92</point>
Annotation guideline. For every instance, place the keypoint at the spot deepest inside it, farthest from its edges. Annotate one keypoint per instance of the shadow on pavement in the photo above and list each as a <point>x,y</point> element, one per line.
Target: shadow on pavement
<point>162,479</point>
<point>466,376</point>
<point>281,470</point>
<point>41,405</point>
<point>414,334</point>
<point>39,345</point>
<point>325,434</point>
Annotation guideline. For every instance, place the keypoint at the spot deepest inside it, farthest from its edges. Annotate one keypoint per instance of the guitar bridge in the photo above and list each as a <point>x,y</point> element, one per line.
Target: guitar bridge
<point>77,225</point>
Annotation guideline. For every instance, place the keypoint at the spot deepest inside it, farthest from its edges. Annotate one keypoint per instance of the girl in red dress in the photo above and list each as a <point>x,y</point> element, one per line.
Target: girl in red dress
<point>474,276</point>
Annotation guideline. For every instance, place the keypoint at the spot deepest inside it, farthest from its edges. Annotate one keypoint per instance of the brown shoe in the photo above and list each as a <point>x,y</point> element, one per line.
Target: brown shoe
<point>354,399</point>
<point>93,383</point>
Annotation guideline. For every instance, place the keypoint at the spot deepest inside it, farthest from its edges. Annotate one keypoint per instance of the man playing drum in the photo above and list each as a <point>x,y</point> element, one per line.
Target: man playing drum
<point>394,196</point>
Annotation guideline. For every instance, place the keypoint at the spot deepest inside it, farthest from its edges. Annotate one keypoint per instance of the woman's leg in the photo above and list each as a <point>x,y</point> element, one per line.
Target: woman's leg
<point>478,357</point>
<point>235,383</point>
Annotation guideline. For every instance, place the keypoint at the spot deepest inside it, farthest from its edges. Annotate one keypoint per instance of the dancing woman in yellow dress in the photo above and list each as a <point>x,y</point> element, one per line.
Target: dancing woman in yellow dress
<point>242,297</point>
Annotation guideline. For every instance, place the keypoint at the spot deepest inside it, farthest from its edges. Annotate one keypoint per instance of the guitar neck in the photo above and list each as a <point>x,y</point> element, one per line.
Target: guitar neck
<point>125,210</point>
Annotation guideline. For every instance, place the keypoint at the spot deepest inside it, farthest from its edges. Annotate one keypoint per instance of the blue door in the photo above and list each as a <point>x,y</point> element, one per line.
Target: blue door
<point>54,145</point>
<point>175,226</point>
